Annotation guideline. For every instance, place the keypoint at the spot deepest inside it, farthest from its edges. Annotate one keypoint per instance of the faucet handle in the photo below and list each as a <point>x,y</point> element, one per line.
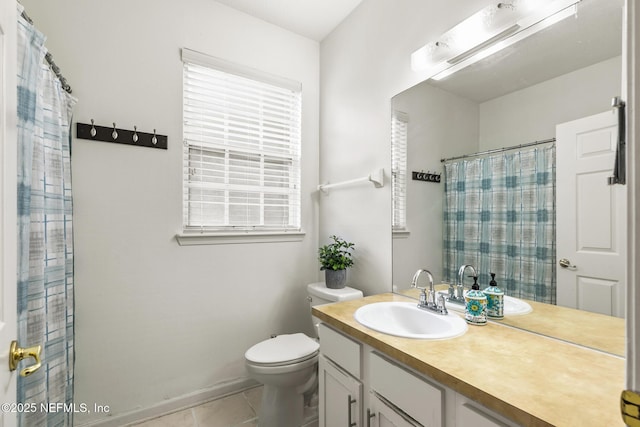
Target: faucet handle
<point>431,297</point>
<point>451,291</point>
<point>423,297</point>
<point>442,305</point>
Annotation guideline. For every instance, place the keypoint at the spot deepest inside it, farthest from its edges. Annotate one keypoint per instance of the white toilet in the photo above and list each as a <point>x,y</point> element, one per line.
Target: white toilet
<point>287,365</point>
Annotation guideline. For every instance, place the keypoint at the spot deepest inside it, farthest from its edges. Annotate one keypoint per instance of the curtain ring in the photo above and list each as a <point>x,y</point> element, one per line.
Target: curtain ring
<point>135,134</point>
<point>114,134</point>
<point>93,131</point>
<point>154,140</point>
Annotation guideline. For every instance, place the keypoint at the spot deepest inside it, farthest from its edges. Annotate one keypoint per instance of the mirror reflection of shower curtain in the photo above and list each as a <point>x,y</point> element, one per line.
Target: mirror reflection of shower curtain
<point>499,215</point>
<point>45,238</point>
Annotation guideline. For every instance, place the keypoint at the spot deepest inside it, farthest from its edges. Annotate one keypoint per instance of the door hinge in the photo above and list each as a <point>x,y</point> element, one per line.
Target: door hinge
<point>630,408</point>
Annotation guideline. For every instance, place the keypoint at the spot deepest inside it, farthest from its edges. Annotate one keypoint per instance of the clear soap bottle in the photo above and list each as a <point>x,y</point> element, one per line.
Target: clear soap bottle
<point>495,299</point>
<point>475,307</point>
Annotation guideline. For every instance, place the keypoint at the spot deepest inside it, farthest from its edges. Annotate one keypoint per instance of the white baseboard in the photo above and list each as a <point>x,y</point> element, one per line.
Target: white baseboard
<point>173,405</point>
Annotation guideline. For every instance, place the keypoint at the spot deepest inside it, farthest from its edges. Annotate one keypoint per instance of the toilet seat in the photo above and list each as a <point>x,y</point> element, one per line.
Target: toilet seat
<point>287,365</point>
<point>283,350</point>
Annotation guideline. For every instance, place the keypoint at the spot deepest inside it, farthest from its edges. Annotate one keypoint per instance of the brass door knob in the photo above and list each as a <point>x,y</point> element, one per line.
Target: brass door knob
<point>16,354</point>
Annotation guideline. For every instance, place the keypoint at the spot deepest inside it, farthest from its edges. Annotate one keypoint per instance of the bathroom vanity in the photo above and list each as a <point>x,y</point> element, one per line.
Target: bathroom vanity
<point>493,375</point>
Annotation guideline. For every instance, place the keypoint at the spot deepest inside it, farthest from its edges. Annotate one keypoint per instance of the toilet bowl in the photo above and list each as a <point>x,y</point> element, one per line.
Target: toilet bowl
<point>287,365</point>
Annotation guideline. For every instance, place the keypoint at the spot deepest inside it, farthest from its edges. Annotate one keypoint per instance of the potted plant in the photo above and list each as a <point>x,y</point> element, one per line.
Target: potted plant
<point>335,258</point>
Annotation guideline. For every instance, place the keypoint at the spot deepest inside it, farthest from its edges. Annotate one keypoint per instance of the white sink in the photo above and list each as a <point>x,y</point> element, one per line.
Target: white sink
<point>515,306</point>
<point>512,306</point>
<point>405,319</point>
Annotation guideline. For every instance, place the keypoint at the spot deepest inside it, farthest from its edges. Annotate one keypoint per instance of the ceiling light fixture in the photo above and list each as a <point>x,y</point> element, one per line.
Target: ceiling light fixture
<point>491,29</point>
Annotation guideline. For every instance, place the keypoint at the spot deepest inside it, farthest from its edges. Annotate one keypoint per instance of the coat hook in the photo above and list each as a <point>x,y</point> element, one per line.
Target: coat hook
<point>114,134</point>
<point>135,134</point>
<point>93,131</point>
<point>154,140</point>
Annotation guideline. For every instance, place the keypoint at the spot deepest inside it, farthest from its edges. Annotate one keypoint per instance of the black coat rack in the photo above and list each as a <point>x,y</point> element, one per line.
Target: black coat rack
<point>120,136</point>
<point>426,176</point>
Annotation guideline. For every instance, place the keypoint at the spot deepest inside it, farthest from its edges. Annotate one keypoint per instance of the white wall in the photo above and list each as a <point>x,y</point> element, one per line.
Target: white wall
<point>156,321</point>
<point>532,114</point>
<point>441,125</point>
<point>364,63</point>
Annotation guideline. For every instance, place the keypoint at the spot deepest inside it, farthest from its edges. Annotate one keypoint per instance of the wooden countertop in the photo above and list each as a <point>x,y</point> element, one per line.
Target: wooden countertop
<point>532,379</point>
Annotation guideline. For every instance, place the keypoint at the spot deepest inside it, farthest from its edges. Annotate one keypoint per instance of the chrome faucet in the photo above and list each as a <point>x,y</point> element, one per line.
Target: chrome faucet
<point>428,300</point>
<point>460,285</point>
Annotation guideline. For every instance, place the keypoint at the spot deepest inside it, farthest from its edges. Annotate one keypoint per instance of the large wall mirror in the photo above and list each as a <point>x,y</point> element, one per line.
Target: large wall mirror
<point>549,95</point>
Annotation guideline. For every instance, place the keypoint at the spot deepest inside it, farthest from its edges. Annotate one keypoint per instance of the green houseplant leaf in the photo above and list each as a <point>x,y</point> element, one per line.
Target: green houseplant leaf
<point>337,255</point>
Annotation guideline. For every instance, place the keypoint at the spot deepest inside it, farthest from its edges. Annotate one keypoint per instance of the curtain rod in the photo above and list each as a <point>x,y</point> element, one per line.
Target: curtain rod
<point>49,58</point>
<point>498,150</point>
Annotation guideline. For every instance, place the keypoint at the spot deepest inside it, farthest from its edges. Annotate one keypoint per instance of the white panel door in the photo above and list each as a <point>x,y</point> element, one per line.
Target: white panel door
<point>384,414</point>
<point>340,396</point>
<point>8,203</point>
<point>591,217</point>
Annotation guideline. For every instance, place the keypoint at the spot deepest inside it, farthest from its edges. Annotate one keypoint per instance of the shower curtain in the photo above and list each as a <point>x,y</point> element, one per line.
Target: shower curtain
<point>45,238</point>
<point>499,216</point>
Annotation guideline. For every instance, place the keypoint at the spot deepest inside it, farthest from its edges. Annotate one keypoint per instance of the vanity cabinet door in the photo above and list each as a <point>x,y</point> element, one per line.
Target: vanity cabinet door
<point>382,413</point>
<point>469,416</point>
<point>469,413</point>
<point>340,396</point>
<point>421,399</point>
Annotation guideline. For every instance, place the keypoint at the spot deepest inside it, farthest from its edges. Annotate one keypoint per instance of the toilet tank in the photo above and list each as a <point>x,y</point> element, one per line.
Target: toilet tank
<point>319,294</point>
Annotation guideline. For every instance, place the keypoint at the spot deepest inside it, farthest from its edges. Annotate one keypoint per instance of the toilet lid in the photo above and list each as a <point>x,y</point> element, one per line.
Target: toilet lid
<point>282,348</point>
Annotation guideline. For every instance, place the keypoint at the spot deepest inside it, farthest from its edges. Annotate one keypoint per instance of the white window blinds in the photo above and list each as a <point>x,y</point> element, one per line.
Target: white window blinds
<point>241,148</point>
<point>399,131</point>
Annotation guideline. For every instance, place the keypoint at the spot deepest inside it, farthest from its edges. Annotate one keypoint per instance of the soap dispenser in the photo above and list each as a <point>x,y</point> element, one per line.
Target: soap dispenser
<point>475,307</point>
<point>495,299</point>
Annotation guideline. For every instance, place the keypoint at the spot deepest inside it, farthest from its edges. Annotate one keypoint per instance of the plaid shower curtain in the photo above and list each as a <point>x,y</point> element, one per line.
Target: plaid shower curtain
<point>45,239</point>
<point>499,216</point>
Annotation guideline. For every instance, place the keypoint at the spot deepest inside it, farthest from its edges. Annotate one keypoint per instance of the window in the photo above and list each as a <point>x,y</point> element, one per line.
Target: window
<point>241,148</point>
<point>399,128</point>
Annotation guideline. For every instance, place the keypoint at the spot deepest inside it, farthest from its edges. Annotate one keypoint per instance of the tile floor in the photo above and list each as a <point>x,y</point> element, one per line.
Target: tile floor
<point>237,410</point>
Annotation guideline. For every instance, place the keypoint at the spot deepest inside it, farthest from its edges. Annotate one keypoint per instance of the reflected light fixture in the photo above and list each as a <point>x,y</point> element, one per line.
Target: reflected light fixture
<point>489,30</point>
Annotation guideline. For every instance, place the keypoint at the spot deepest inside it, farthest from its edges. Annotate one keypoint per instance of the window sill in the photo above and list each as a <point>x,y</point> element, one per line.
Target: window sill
<point>197,238</point>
